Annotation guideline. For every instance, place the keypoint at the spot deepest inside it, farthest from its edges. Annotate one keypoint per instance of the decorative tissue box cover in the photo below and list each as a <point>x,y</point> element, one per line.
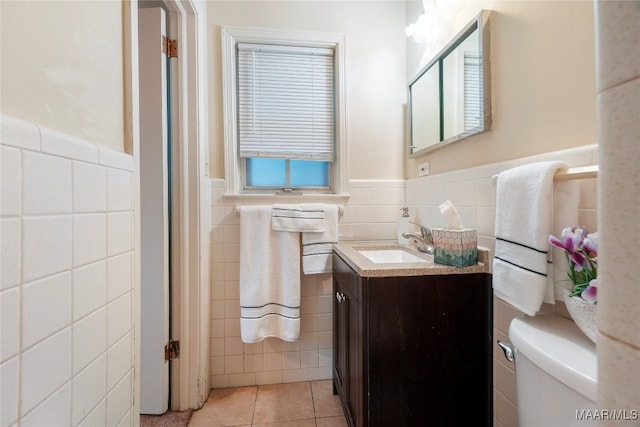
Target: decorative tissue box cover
<point>455,247</point>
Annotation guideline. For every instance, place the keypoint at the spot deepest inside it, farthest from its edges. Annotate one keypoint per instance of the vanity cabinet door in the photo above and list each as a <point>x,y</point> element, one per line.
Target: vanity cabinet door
<point>346,341</point>
<point>429,350</point>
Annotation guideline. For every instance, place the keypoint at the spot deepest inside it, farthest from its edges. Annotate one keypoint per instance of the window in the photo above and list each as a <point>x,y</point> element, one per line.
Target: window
<point>284,107</point>
<point>285,115</point>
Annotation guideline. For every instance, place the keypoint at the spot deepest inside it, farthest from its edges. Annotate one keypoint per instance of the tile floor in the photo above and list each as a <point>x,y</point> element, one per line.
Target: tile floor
<point>304,404</point>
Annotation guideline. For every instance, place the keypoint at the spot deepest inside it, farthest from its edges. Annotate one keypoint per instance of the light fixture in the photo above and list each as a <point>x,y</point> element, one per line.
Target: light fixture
<point>417,30</point>
<point>434,21</point>
<point>424,24</point>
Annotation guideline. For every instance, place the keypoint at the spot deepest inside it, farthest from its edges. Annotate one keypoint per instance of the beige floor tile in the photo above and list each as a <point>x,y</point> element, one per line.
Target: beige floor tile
<point>283,402</point>
<point>294,423</point>
<point>226,407</point>
<point>304,404</point>
<point>331,422</point>
<point>324,401</point>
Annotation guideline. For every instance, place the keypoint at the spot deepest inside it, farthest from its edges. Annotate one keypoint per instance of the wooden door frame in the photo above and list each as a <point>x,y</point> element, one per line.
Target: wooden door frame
<point>190,325</point>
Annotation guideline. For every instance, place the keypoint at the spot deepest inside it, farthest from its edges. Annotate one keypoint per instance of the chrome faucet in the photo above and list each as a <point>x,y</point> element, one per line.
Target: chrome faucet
<point>424,239</point>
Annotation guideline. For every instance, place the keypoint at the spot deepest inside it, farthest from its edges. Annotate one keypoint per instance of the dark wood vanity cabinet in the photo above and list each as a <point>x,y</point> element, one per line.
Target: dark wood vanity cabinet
<point>413,350</point>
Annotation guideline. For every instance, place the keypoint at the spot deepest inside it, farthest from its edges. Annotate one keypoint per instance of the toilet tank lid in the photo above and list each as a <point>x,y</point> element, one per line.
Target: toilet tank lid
<point>557,346</point>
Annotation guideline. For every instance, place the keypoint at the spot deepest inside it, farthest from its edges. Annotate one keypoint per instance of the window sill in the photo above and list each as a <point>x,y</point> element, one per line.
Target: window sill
<point>283,198</point>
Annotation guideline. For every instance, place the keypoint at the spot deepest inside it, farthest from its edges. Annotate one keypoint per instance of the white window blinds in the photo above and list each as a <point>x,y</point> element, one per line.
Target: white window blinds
<point>285,102</point>
<point>472,91</point>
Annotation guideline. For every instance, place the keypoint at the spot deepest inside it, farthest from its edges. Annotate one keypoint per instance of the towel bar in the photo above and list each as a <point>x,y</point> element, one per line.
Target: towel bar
<point>340,210</point>
<point>581,172</point>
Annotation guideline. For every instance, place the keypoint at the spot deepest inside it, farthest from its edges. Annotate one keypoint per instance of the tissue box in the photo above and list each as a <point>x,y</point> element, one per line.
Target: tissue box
<point>455,247</point>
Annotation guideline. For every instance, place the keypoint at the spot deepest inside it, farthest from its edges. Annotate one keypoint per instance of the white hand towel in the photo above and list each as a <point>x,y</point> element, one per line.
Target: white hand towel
<point>307,217</point>
<point>317,248</point>
<point>524,220</point>
<point>269,278</point>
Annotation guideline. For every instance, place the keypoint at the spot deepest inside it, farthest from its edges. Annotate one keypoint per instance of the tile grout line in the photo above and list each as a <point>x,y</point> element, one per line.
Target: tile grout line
<point>313,405</point>
<point>255,403</point>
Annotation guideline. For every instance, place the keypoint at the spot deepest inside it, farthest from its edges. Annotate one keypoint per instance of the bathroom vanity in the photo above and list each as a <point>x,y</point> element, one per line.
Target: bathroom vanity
<point>412,340</point>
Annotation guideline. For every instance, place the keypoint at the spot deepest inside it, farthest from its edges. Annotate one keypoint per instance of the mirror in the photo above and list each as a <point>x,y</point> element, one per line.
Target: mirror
<point>450,98</point>
<point>425,100</point>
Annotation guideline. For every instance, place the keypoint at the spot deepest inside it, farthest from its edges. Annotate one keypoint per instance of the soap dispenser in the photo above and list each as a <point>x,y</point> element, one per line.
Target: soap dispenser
<point>404,225</point>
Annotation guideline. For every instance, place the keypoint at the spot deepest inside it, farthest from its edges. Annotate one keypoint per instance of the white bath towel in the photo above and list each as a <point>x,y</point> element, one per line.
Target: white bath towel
<point>524,220</point>
<point>317,248</point>
<point>303,217</point>
<point>269,278</point>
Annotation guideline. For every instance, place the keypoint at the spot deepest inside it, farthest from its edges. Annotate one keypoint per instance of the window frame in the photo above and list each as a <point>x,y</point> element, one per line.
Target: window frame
<point>234,165</point>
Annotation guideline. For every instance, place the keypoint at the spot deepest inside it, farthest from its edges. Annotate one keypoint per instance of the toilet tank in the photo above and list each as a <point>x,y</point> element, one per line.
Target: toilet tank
<point>556,372</point>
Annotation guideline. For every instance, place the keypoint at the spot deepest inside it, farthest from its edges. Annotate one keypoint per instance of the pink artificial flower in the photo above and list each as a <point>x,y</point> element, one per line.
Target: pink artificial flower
<point>572,241</point>
<point>590,293</point>
<point>591,244</point>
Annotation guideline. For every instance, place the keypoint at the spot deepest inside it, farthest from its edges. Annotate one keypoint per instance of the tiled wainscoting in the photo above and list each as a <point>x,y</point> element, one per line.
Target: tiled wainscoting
<point>371,214</point>
<point>66,356</point>
<point>474,195</point>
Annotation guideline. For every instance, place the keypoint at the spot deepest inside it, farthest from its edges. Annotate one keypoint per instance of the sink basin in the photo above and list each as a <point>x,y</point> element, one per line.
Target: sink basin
<point>390,256</point>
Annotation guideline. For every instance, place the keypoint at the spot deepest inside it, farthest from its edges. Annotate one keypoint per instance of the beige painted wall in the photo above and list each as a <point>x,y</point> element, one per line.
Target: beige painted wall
<point>62,67</point>
<point>543,65</point>
<point>375,70</point>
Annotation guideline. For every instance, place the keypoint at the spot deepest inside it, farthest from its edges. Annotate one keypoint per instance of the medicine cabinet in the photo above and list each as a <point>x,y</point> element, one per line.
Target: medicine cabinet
<point>450,98</point>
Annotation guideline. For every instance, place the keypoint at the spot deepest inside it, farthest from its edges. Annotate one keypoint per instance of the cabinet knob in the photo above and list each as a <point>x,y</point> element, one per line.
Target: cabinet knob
<point>340,297</point>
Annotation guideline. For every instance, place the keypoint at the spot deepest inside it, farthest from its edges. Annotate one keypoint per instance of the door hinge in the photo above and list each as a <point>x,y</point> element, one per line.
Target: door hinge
<point>172,350</point>
<point>169,47</point>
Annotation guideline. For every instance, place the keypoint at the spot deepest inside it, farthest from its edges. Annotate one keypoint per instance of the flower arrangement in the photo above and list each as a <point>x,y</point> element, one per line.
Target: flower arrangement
<point>581,250</point>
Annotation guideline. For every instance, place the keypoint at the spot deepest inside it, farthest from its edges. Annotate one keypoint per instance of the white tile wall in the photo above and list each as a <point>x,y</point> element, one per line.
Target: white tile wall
<point>89,187</point>
<point>63,145</point>
<point>371,214</point>
<point>63,201</point>
<point>119,275</point>
<point>119,232</point>
<point>45,368</point>
<point>10,182</point>
<point>89,339</point>
<point>89,387</point>
<point>10,232</point>
<point>19,133</point>
<point>46,245</point>
<point>119,318</point>
<point>9,386</point>
<point>97,416</point>
<point>53,411</point>
<point>51,295</point>
<point>119,402</point>
<point>474,195</point>
<point>120,195</point>
<point>118,359</point>
<point>47,184</point>
<point>89,288</point>
<point>89,250</point>
<point>9,312</point>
